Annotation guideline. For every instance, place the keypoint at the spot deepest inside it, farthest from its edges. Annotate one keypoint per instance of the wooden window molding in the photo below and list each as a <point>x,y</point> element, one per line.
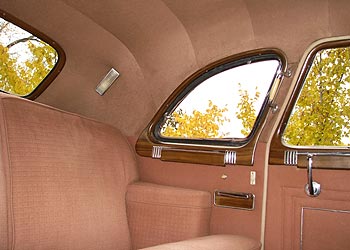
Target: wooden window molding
<point>218,152</point>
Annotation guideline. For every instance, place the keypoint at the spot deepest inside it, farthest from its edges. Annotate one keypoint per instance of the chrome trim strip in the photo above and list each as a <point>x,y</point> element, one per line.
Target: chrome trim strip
<point>245,196</point>
<point>157,152</point>
<point>230,157</point>
<point>290,157</point>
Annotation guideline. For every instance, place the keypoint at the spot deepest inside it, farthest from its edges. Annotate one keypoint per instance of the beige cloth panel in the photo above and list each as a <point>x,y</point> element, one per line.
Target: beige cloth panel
<point>66,180</point>
<point>222,242</point>
<point>159,214</point>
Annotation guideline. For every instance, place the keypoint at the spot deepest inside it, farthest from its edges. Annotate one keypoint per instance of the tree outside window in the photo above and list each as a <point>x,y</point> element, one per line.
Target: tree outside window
<point>25,60</point>
<point>321,116</point>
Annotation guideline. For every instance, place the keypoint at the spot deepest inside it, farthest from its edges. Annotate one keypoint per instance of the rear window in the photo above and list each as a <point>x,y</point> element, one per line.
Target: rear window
<point>26,60</point>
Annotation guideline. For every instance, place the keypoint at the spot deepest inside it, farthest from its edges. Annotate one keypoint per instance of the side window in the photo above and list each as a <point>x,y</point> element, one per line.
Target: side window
<point>316,120</point>
<point>321,115</point>
<point>225,105</point>
<point>216,115</point>
<point>26,60</point>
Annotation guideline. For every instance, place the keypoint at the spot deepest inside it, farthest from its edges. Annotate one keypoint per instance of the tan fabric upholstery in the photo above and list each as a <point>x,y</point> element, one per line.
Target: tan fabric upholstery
<point>158,214</point>
<point>66,179</point>
<point>63,184</point>
<point>213,242</point>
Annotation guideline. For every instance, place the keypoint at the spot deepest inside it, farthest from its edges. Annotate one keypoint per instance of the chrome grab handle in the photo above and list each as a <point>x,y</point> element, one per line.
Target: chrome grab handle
<point>312,188</point>
<point>234,195</point>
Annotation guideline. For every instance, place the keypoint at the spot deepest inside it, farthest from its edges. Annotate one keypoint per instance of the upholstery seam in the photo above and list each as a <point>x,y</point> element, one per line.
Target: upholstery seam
<point>42,105</point>
<point>167,205</point>
<point>165,187</point>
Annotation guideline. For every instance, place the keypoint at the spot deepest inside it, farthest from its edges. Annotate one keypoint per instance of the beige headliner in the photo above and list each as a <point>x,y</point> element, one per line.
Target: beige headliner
<point>156,44</point>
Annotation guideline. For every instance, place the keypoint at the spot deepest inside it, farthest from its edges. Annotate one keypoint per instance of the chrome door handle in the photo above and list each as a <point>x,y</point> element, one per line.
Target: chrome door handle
<point>312,188</point>
<point>233,195</point>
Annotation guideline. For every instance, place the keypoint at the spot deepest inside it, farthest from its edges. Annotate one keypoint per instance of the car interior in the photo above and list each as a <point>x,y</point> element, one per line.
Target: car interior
<point>174,125</point>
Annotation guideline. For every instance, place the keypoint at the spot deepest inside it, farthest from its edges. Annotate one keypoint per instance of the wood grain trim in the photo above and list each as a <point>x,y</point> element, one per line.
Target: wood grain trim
<point>326,162</point>
<point>277,148</point>
<point>199,152</point>
<point>188,156</point>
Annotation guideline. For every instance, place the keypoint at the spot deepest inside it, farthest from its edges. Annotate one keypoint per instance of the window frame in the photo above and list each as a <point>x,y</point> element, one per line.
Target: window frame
<point>283,154</point>
<point>60,52</point>
<point>207,151</point>
<point>208,73</point>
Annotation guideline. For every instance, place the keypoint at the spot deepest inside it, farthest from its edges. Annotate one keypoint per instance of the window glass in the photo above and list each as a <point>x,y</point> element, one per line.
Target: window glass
<point>321,115</point>
<point>224,105</point>
<point>25,60</point>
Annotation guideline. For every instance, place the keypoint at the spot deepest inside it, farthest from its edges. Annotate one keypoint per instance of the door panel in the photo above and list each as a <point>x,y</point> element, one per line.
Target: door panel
<point>297,221</point>
<point>316,113</point>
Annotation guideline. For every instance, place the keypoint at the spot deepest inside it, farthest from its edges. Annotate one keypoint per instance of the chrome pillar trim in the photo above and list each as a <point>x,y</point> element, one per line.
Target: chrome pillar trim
<point>274,107</point>
<point>290,157</point>
<point>157,152</point>
<point>287,73</point>
<point>230,157</point>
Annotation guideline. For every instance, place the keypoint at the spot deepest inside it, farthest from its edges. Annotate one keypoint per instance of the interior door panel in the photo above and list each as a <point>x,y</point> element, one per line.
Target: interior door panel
<point>297,221</point>
<point>297,216</point>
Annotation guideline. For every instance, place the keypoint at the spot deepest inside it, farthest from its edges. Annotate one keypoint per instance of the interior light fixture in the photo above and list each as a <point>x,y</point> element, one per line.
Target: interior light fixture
<point>107,81</point>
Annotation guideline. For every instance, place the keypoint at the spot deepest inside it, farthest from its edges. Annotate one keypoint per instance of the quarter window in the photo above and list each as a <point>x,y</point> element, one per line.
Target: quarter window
<point>216,115</point>
<point>225,102</point>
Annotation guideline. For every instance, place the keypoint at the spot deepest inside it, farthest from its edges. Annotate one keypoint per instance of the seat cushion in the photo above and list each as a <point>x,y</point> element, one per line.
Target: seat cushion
<point>213,242</point>
<point>161,214</point>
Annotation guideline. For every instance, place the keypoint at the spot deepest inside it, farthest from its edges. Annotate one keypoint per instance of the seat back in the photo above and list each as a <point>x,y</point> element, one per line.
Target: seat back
<point>63,180</point>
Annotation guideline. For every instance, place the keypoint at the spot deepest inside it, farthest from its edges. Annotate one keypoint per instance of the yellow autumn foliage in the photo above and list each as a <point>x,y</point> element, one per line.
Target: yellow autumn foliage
<point>21,77</point>
<point>196,125</point>
<point>321,116</point>
<point>246,110</point>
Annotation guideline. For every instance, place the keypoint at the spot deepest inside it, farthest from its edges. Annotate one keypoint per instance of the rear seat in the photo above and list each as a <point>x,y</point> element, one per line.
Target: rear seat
<point>68,182</point>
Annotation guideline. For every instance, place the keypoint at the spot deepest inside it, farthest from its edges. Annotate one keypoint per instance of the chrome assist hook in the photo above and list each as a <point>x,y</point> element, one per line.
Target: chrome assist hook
<point>312,188</point>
